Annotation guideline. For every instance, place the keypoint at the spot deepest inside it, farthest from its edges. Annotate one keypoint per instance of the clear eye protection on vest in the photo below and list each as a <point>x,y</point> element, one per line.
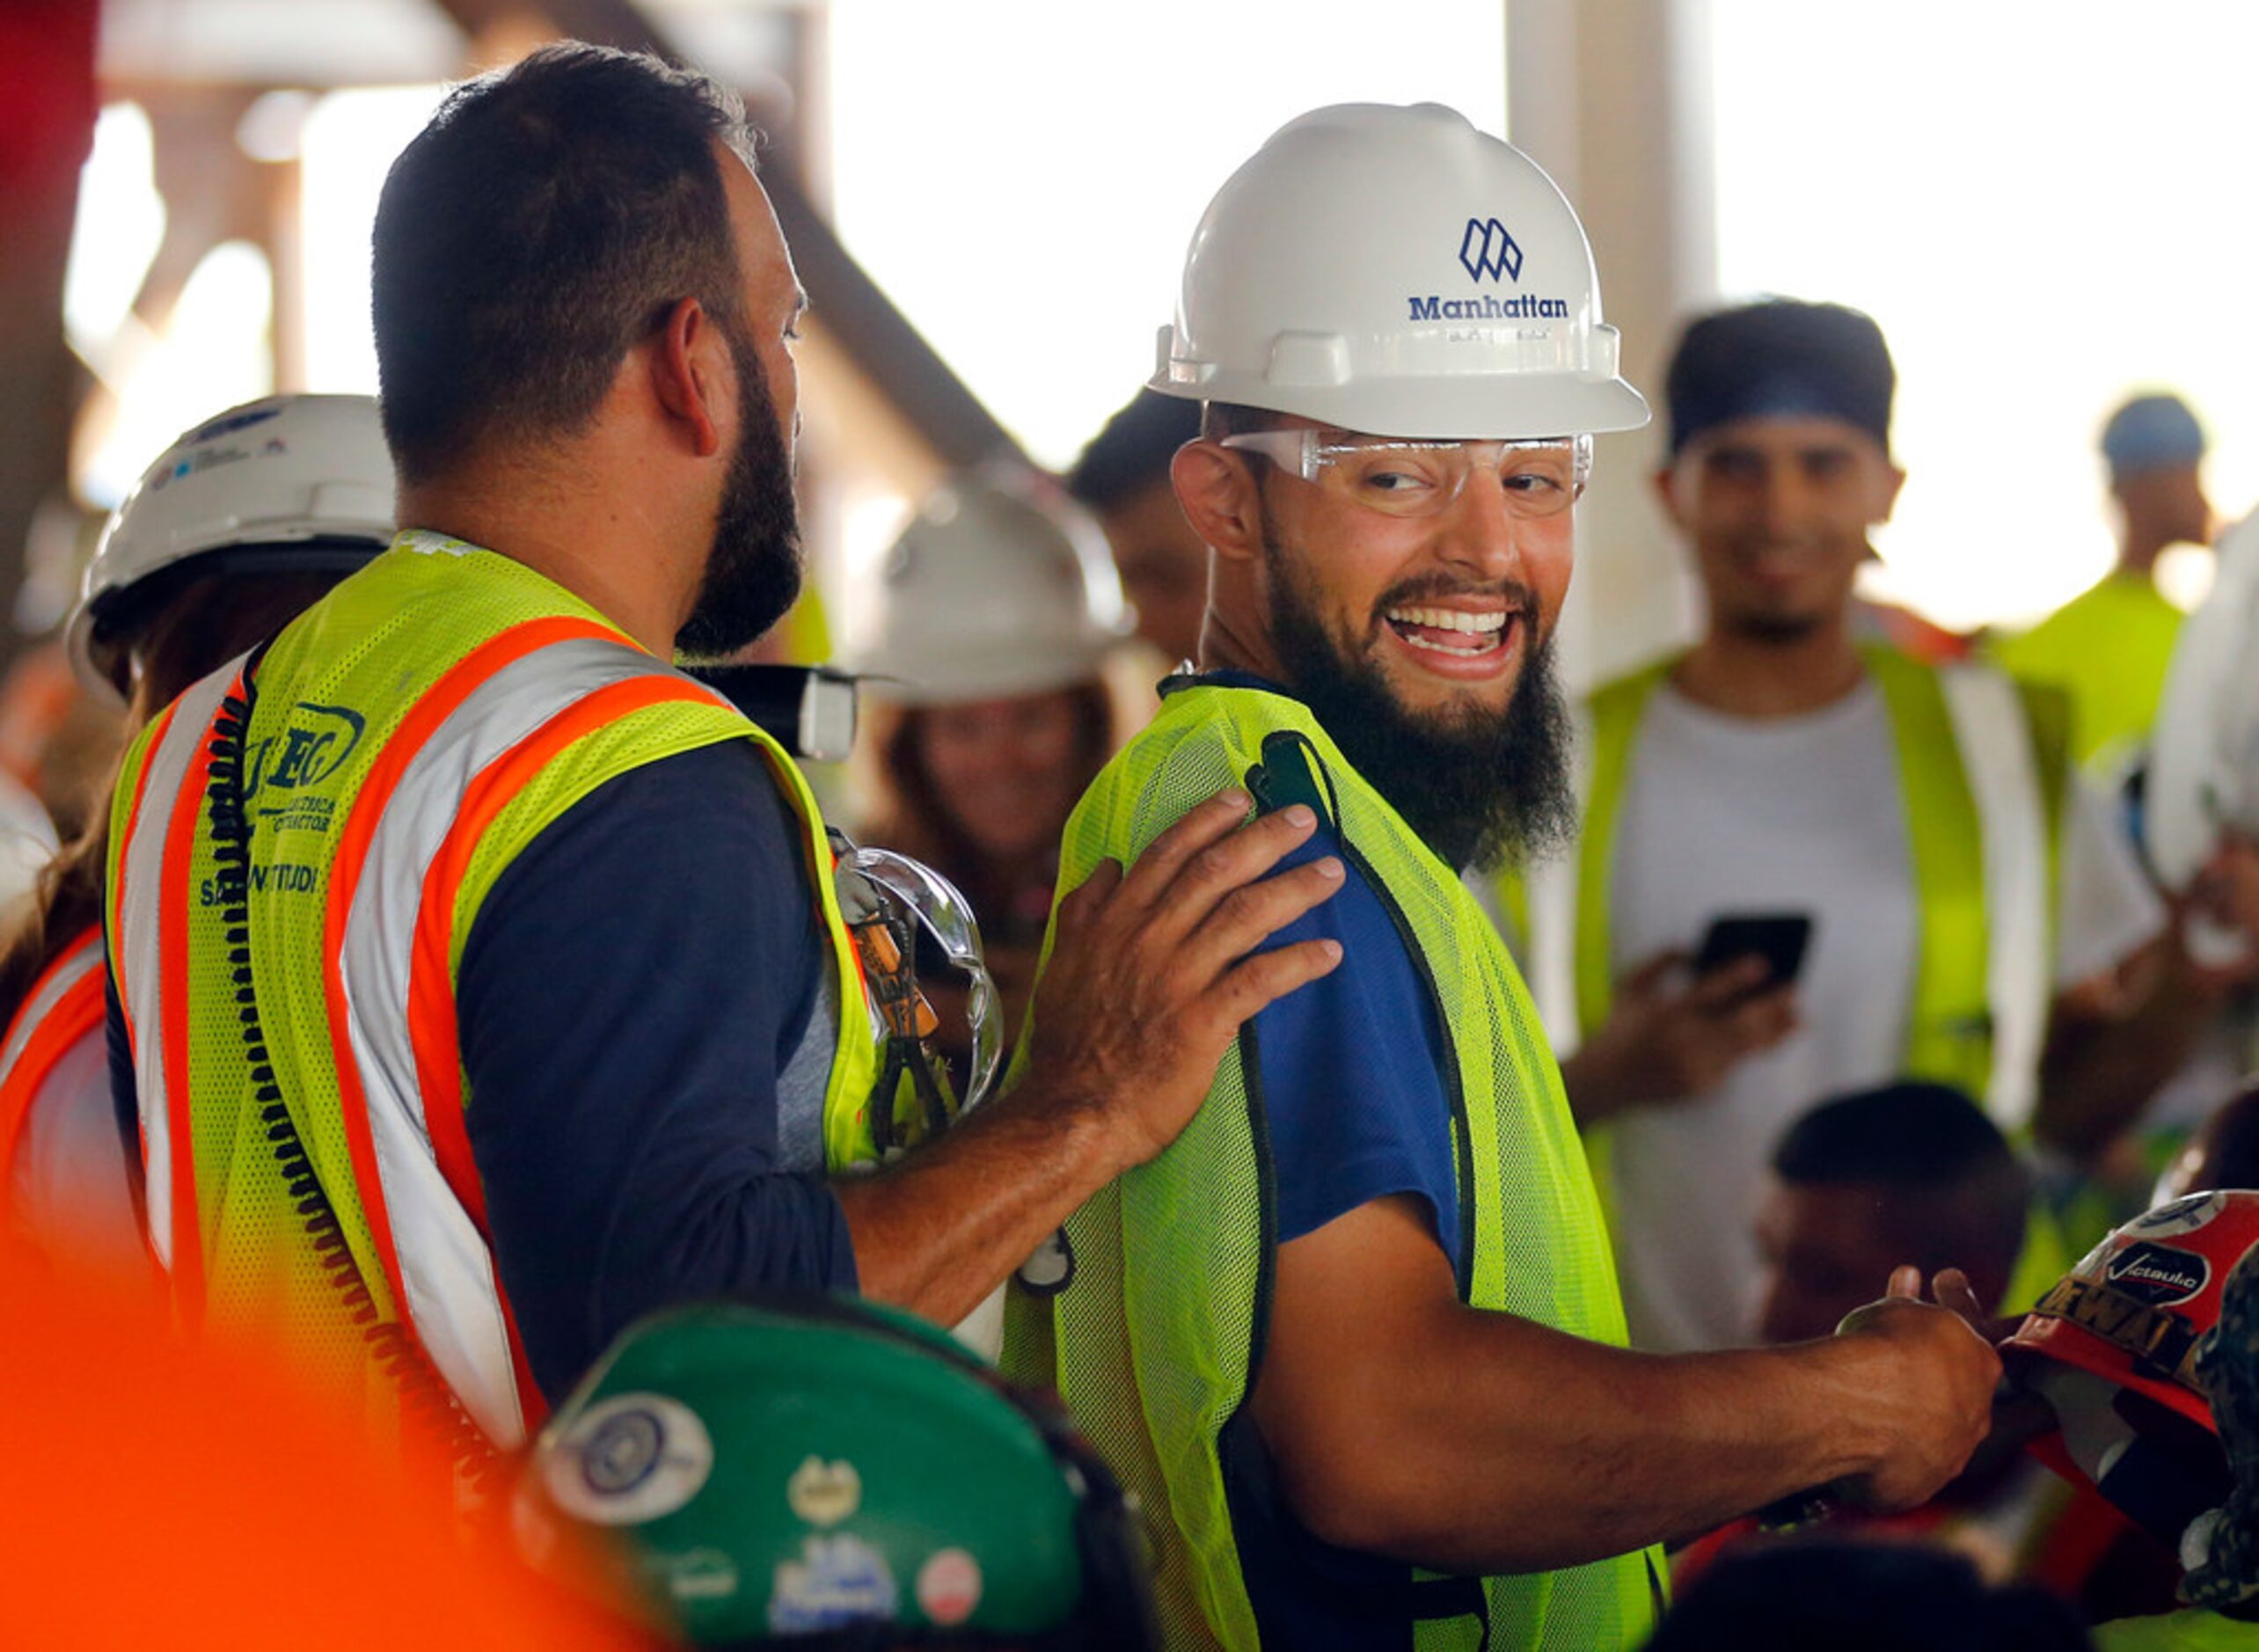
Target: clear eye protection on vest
<point>914,893</point>
<point>1399,478</point>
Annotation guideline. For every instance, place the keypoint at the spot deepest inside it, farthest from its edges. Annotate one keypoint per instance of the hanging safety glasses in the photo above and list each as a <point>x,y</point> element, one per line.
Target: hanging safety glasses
<point>1405,477</point>
<point>909,891</point>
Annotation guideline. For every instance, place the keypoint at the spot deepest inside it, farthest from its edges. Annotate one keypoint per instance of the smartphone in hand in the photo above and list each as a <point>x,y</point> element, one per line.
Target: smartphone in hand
<point>1781,938</point>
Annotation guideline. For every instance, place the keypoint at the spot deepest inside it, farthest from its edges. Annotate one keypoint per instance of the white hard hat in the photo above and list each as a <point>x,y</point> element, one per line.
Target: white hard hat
<point>1393,271</point>
<point>999,587</point>
<point>287,484</point>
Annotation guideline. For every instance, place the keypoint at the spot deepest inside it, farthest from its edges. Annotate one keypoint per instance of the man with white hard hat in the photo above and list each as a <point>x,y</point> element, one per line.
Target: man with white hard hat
<point>1355,1338</point>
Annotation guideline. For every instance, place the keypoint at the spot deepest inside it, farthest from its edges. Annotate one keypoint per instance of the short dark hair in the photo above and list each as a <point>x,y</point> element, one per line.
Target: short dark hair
<point>546,218</point>
<point>1132,453</point>
<point>1929,1141</point>
<point>1777,358</point>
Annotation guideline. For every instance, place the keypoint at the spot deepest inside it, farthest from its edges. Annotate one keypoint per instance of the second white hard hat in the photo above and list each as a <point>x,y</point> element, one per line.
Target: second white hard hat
<point>999,587</point>
<point>289,483</point>
<point>1394,271</point>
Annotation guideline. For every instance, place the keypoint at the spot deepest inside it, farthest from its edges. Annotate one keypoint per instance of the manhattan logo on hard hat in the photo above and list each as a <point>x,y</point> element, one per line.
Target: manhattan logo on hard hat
<point>1488,251</point>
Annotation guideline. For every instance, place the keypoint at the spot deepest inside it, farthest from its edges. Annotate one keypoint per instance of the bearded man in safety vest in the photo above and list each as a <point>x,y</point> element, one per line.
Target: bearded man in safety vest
<point>483,982</point>
<point>1971,906</point>
<point>1355,1338</point>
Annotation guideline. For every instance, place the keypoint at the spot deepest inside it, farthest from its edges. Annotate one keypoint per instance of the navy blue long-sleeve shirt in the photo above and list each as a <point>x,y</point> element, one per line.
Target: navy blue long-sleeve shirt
<point>630,1001</point>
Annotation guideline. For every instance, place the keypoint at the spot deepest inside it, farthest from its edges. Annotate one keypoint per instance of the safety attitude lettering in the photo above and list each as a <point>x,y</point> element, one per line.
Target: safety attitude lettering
<point>284,777</point>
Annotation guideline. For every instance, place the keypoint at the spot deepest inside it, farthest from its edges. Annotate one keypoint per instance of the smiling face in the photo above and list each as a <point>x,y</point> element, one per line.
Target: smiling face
<point>1445,610</point>
<point>1007,771</point>
<point>1778,511</point>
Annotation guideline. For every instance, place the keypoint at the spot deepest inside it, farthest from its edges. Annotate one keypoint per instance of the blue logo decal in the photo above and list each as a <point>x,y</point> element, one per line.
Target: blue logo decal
<point>312,747</point>
<point>1487,252</point>
<point>229,426</point>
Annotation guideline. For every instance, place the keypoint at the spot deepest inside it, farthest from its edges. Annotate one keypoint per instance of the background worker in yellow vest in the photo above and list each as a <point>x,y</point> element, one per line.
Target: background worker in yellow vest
<point>2108,647</point>
<point>482,981</point>
<point>1355,1338</point>
<point>1922,819</point>
<point>221,542</point>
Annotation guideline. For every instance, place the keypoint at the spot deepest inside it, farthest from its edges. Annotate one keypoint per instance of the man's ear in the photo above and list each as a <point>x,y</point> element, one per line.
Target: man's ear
<point>1220,496</point>
<point>689,367</point>
<point>1666,496</point>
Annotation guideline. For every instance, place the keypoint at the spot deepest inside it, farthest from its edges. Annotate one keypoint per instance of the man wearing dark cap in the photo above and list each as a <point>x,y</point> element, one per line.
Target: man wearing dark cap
<point>1920,817</point>
<point>2108,647</point>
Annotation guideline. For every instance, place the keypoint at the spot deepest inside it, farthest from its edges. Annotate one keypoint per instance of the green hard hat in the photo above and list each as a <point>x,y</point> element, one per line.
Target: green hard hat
<point>768,1471</point>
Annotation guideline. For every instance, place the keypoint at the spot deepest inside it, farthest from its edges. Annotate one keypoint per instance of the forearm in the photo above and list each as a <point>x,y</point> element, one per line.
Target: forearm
<point>937,1232</point>
<point>2098,1074</point>
<point>1513,1448</point>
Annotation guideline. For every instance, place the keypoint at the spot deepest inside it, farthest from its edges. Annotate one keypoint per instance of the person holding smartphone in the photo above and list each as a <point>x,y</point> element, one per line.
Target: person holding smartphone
<point>1925,823</point>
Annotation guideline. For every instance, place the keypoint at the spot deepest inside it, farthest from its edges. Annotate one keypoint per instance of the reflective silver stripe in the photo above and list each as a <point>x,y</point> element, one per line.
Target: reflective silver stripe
<point>445,1268</point>
<point>1994,736</point>
<point>67,972</point>
<point>139,919</point>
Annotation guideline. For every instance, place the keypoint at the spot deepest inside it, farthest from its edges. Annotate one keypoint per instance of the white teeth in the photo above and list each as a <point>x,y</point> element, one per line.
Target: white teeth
<point>1450,619</point>
<point>1438,648</point>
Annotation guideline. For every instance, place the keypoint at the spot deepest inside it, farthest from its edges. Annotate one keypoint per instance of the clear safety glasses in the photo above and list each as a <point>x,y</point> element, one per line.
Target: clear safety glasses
<point>916,889</point>
<point>1402,477</point>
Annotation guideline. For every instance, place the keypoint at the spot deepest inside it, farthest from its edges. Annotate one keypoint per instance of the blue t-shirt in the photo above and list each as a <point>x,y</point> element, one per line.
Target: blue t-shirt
<point>1350,1074</point>
<point>1351,1070</point>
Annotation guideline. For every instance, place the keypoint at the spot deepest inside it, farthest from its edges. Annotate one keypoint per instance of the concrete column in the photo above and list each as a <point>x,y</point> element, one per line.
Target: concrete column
<point>1611,98</point>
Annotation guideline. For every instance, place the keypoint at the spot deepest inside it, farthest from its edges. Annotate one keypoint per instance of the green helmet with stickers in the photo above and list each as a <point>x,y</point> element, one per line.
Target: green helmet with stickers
<point>829,1473</point>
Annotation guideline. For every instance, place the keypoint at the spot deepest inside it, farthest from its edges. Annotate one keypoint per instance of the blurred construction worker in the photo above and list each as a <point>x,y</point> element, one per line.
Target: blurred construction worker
<point>1904,1172</point>
<point>2108,647</point>
<point>1355,1339</point>
<point>484,983</point>
<point>1124,477</point>
<point>234,530</point>
<point>2147,1357</point>
<point>997,607</point>
<point>1917,823</point>
<point>764,1472</point>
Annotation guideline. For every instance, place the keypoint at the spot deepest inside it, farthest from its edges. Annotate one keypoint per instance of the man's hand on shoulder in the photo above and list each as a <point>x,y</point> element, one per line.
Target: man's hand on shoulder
<point>1153,974</point>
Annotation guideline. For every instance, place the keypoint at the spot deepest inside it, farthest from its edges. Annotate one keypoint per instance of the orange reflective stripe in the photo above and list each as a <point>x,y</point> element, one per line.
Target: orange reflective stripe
<point>433,1026</point>
<point>423,720</point>
<point>78,1011</point>
<point>172,1011</point>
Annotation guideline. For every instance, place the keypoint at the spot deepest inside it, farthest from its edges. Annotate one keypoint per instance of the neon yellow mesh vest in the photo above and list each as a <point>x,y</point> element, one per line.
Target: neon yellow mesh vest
<point>412,733</point>
<point>1152,1344</point>
<point>1950,1032</point>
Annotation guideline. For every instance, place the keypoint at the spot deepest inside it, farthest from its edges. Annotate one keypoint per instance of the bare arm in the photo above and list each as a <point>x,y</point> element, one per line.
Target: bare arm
<point>1149,980</point>
<point>2110,1044</point>
<point>1405,1423</point>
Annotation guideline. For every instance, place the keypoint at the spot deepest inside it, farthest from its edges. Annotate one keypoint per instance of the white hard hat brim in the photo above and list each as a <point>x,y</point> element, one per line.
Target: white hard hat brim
<point>1020,674</point>
<point>1495,408</point>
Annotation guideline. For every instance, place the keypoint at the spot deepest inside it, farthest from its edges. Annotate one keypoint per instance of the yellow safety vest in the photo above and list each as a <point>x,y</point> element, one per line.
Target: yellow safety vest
<point>412,734</point>
<point>1983,769</point>
<point>2107,649</point>
<point>1156,1340</point>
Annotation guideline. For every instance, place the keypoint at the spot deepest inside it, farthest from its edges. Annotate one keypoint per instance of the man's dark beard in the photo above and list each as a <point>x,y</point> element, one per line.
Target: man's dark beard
<point>1482,788</point>
<point>753,572</point>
